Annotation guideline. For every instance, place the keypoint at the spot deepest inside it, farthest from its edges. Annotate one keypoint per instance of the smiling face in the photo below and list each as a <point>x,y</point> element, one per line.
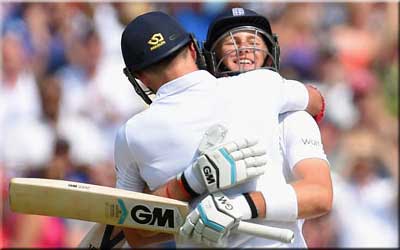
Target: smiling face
<point>242,51</point>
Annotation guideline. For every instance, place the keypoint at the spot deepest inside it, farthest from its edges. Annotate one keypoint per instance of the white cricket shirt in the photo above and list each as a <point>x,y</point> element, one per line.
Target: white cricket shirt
<point>158,143</point>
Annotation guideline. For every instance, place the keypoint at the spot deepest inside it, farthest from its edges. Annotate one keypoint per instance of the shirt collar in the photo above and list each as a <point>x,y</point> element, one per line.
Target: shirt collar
<point>183,82</point>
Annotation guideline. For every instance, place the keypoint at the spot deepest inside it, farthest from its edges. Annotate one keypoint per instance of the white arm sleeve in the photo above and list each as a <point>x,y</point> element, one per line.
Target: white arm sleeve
<point>301,138</point>
<point>281,202</point>
<point>127,170</point>
<point>294,96</point>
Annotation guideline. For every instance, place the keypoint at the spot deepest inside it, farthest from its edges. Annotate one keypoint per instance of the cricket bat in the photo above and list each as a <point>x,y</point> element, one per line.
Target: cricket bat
<point>113,206</point>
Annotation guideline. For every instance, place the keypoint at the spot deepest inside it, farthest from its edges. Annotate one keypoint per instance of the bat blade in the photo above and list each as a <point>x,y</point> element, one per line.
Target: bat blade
<point>95,203</point>
<point>112,206</point>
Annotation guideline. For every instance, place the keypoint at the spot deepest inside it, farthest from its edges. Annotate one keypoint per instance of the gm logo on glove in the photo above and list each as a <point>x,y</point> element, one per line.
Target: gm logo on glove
<point>208,174</point>
<point>225,201</point>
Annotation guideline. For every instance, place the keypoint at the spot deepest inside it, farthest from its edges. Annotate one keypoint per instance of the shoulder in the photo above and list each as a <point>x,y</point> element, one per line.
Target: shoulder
<point>120,138</point>
<point>127,133</point>
<point>122,153</point>
<point>131,135</point>
<point>147,124</point>
<point>298,123</point>
<point>142,118</point>
<point>300,137</point>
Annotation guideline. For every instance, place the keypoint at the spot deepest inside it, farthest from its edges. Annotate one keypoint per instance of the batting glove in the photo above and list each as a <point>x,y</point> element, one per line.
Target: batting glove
<point>213,219</point>
<point>224,166</point>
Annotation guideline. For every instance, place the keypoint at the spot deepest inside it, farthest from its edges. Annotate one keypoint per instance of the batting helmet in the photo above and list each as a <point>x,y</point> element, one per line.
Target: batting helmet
<point>237,19</point>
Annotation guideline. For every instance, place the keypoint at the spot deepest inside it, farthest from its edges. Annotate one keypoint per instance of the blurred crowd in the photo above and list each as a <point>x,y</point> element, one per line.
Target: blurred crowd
<point>63,95</point>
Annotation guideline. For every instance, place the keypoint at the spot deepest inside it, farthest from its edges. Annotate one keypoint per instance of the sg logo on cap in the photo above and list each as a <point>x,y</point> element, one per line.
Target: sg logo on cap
<point>156,41</point>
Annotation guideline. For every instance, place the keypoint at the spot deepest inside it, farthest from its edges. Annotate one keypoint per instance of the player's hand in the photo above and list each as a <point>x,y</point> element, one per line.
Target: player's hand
<point>212,221</point>
<point>226,165</point>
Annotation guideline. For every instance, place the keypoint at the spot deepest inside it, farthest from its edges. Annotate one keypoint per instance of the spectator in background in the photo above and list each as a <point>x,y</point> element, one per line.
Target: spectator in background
<point>50,94</point>
<point>333,82</point>
<point>20,109</point>
<point>346,38</point>
<point>365,210</point>
<point>19,93</point>
<point>64,163</point>
<point>300,47</point>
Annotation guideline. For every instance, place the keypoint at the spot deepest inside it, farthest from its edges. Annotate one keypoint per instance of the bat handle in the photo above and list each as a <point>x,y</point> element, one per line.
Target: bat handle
<point>272,233</point>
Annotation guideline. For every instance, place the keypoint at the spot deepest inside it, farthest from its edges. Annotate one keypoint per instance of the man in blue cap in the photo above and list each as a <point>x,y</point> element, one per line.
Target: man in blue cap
<point>158,148</point>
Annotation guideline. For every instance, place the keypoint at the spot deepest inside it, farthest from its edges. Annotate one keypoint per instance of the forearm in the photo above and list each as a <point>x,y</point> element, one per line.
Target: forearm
<point>310,200</point>
<point>275,203</point>
<point>259,202</point>
<point>313,200</point>
<point>309,196</point>
<point>172,189</point>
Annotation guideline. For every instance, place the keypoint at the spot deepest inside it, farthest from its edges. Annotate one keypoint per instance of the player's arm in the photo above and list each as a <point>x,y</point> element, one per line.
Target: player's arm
<point>313,188</point>
<point>310,194</point>
<point>298,96</point>
<point>307,197</point>
<point>172,189</point>
<point>316,103</point>
<point>218,168</point>
<point>307,161</point>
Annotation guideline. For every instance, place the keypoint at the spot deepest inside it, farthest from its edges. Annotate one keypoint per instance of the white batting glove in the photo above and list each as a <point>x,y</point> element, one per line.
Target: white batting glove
<point>224,166</point>
<point>213,219</point>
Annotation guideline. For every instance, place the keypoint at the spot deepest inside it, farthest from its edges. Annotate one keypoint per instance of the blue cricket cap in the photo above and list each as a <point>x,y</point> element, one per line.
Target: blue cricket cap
<point>151,37</point>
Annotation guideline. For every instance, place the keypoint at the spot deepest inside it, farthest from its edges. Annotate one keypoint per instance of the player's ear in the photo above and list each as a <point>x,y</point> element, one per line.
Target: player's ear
<point>143,77</point>
<point>193,51</point>
<point>139,75</point>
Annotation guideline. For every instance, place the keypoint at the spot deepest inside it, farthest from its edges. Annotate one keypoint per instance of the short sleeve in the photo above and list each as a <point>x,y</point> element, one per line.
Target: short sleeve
<point>294,96</point>
<point>301,138</point>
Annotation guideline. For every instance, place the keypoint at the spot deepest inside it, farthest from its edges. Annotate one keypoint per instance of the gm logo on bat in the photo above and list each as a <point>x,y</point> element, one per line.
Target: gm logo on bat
<point>149,215</point>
